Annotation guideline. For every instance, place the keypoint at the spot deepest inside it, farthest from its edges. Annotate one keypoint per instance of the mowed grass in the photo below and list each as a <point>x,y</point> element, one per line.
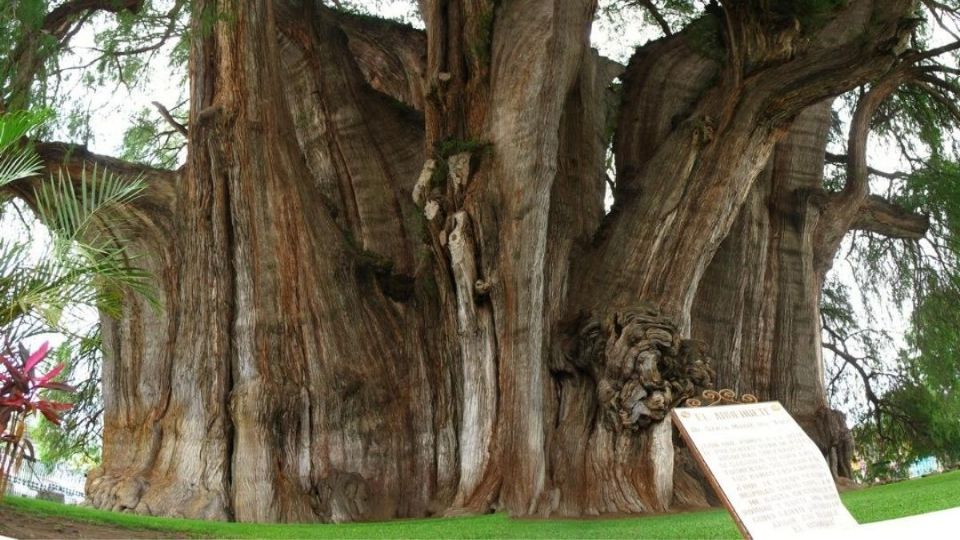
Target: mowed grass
<point>872,504</point>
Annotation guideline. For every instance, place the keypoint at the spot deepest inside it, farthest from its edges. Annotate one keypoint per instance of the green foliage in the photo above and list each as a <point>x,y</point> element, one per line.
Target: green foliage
<point>127,56</point>
<point>935,190</point>
<point>82,253</point>
<point>482,44</point>
<point>150,140</point>
<point>917,412</point>
<point>451,147</point>
<point>445,149</point>
<point>20,21</point>
<point>925,404</point>
<point>621,16</point>
<point>29,12</point>
<point>915,121</point>
<point>16,125</point>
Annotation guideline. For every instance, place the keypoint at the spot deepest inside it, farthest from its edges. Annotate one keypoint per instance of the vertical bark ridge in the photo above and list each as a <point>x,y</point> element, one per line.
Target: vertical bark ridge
<point>479,351</point>
<point>794,354</point>
<point>524,130</point>
<point>185,434</point>
<point>357,139</point>
<point>729,302</point>
<point>494,82</point>
<point>270,416</point>
<point>356,452</point>
<point>624,470</point>
<point>576,208</point>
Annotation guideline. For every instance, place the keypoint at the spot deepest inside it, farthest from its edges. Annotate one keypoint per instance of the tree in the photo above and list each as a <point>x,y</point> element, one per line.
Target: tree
<point>389,283</point>
<point>909,411</point>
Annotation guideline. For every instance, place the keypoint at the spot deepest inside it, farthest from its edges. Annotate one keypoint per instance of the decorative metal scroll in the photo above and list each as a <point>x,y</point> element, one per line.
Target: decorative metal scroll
<point>725,396</point>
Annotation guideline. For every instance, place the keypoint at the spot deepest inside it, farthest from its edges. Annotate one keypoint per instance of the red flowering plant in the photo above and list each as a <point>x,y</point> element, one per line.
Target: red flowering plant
<point>21,395</point>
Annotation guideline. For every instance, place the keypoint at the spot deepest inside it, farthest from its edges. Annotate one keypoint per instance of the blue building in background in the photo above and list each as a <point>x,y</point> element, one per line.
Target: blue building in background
<point>924,466</point>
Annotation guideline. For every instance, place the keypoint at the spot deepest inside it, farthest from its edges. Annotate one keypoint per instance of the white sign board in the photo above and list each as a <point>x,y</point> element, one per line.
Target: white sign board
<point>769,474</point>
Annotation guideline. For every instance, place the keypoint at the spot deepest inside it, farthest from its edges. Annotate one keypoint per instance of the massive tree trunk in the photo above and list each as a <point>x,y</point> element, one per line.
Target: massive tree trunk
<point>758,304</point>
<point>388,285</point>
<point>763,277</point>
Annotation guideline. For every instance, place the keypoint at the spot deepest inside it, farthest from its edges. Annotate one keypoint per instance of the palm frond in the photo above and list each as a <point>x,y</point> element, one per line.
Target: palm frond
<point>84,264</point>
<point>18,162</point>
<point>14,165</point>
<point>72,209</point>
<point>13,126</point>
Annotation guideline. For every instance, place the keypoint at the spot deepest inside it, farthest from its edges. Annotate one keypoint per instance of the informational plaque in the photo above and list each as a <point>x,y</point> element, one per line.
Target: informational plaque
<point>769,474</point>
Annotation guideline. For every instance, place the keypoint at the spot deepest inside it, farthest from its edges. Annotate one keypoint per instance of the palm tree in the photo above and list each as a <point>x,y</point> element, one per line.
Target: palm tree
<point>81,265</point>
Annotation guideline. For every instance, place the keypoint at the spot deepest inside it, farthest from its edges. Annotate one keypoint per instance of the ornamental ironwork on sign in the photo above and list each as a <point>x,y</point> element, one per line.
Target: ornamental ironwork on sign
<point>725,396</point>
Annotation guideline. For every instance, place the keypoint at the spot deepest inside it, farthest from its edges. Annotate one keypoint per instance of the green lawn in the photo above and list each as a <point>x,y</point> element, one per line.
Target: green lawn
<point>873,504</point>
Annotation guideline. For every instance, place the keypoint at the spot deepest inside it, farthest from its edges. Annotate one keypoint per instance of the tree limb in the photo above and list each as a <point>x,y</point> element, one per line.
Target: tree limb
<point>657,16</point>
<point>59,21</point>
<point>883,217</point>
<point>75,158</point>
<point>935,8</point>
<point>842,208</point>
<point>949,47</point>
<point>26,60</point>
<point>854,362</point>
<point>945,101</point>
<point>170,119</point>
<point>840,159</point>
<point>154,205</point>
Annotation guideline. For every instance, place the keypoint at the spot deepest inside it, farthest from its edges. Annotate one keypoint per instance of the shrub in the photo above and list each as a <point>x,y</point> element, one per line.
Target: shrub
<point>22,395</point>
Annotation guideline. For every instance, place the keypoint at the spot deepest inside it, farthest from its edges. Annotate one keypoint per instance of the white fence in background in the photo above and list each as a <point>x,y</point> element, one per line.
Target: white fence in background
<point>33,481</point>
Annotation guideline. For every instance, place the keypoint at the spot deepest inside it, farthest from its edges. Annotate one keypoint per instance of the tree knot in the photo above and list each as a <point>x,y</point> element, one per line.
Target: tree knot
<point>641,366</point>
<point>482,287</point>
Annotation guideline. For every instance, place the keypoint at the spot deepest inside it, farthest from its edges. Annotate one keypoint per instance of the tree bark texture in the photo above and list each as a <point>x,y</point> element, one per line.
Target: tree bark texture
<point>389,287</point>
<point>758,304</point>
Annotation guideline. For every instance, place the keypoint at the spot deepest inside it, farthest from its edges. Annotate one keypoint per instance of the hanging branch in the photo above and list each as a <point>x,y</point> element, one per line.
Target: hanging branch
<point>170,119</point>
<point>657,16</point>
<point>840,159</point>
